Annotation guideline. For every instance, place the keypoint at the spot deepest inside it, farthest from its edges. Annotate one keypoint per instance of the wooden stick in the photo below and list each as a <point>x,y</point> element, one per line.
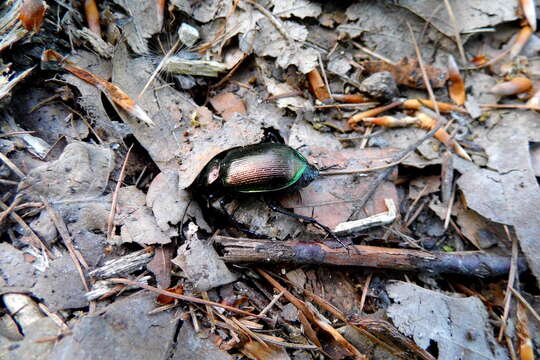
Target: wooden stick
<point>110,220</point>
<point>472,263</point>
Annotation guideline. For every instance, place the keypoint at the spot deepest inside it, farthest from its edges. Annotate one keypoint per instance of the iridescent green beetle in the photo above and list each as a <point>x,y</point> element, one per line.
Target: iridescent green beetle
<point>264,168</point>
<point>258,168</point>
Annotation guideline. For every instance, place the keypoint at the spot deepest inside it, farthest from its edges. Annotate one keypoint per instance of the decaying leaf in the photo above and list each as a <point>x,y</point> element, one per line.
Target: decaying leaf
<point>419,313</point>
<point>81,172</point>
<point>467,13</point>
<point>407,72</point>
<point>298,8</point>
<point>508,194</point>
<point>228,104</point>
<point>137,222</point>
<point>201,263</point>
<point>116,94</point>
<point>288,51</point>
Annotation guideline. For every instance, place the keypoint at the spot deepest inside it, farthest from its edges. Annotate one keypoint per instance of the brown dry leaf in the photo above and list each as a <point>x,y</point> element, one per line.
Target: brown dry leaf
<point>165,299</point>
<point>32,14</point>
<point>113,92</point>
<point>142,23</point>
<point>456,88</point>
<point>407,72</point>
<point>258,351</point>
<point>81,173</point>
<point>477,229</point>
<point>161,265</point>
<point>425,185</point>
<point>228,104</point>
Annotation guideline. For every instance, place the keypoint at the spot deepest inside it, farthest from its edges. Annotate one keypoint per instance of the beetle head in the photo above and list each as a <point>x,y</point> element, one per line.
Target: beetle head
<point>310,174</point>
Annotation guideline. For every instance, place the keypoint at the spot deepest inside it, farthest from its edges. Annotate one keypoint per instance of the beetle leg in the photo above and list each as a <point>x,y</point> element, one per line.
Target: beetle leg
<point>275,207</point>
<point>335,166</point>
<point>240,227</point>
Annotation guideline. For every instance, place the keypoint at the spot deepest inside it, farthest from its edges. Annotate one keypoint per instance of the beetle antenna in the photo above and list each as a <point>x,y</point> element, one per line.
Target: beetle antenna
<point>182,235</point>
<point>360,171</point>
<point>326,168</point>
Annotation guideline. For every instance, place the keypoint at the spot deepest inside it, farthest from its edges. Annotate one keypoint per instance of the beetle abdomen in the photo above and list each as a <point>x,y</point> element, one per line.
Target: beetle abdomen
<point>262,168</point>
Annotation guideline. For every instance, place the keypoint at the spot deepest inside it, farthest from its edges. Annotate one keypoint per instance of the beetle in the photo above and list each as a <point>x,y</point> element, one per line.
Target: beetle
<point>257,168</point>
<point>263,168</point>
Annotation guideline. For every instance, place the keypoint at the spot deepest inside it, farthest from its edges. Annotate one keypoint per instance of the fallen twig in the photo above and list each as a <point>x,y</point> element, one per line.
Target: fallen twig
<point>110,220</point>
<point>471,263</point>
<point>511,279</point>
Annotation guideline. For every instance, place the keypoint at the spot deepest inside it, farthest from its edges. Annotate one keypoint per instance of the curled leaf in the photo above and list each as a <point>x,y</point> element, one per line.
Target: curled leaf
<point>515,86</point>
<point>457,85</point>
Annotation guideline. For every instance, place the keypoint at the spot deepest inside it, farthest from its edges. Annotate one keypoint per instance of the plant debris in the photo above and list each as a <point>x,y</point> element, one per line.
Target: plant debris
<point>419,122</point>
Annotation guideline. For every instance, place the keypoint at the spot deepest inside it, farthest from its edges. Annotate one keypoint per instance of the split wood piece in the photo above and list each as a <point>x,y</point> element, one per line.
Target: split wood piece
<point>113,92</point>
<point>102,288</point>
<point>179,65</point>
<point>123,265</point>
<point>352,227</point>
<point>471,263</point>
